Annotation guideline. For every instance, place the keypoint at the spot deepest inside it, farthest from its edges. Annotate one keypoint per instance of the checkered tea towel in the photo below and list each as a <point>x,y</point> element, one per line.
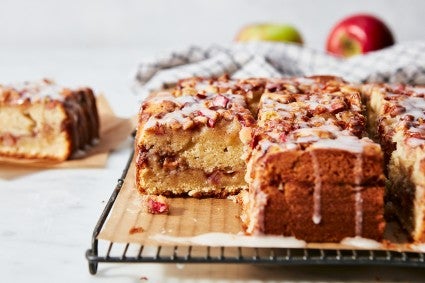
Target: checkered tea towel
<point>401,63</point>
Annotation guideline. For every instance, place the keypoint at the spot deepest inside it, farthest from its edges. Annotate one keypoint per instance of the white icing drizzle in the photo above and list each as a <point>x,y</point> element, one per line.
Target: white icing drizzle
<point>37,90</point>
<point>305,81</point>
<point>265,145</point>
<point>362,243</point>
<point>418,247</point>
<point>358,208</point>
<point>233,240</point>
<point>79,153</point>
<point>358,171</point>
<point>415,142</point>
<point>419,89</point>
<point>307,139</point>
<point>344,142</point>
<point>206,85</point>
<point>415,106</point>
<point>187,105</point>
<point>257,202</point>
<point>202,86</point>
<point>317,215</point>
<point>222,84</point>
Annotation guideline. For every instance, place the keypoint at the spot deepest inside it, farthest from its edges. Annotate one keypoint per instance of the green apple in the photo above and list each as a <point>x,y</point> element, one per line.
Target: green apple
<point>269,32</point>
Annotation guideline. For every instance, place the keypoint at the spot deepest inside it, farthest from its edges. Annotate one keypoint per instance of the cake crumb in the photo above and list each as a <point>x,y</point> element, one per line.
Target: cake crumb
<point>157,205</point>
<point>135,230</point>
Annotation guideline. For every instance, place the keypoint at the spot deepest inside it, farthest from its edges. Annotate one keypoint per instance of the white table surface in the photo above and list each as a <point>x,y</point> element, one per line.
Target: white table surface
<point>47,218</point>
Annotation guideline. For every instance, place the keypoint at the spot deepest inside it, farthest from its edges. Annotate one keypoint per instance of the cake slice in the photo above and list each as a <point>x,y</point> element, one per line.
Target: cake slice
<point>41,120</point>
<point>188,141</point>
<point>312,173</point>
<point>398,121</point>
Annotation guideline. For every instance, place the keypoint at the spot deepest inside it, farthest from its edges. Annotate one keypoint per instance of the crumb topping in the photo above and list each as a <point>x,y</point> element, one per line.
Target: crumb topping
<point>195,107</point>
<point>304,112</point>
<point>404,112</point>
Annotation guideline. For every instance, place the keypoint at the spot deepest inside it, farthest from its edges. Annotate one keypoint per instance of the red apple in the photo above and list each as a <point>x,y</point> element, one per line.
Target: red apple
<point>358,34</point>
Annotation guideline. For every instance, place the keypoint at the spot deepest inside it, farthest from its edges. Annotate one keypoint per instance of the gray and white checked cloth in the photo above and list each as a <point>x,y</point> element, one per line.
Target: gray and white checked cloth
<point>401,63</point>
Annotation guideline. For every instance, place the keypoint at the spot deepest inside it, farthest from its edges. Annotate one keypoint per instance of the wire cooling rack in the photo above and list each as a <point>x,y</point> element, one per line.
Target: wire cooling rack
<point>110,252</point>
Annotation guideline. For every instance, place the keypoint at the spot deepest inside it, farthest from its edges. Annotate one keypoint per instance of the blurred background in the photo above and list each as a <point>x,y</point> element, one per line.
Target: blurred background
<point>156,24</point>
<point>99,43</point>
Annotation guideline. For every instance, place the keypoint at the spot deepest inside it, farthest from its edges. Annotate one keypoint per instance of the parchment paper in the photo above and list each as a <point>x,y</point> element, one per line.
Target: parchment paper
<point>113,131</point>
<point>210,222</point>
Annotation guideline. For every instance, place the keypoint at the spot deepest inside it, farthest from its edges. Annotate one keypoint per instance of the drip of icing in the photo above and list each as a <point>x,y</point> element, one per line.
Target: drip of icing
<point>419,89</point>
<point>415,106</point>
<point>358,211</point>
<point>305,81</point>
<point>317,217</point>
<point>415,142</point>
<point>257,203</point>
<point>233,240</point>
<point>79,153</point>
<point>348,143</point>
<point>360,242</point>
<point>358,171</point>
<point>38,89</point>
<point>265,145</point>
<point>418,247</point>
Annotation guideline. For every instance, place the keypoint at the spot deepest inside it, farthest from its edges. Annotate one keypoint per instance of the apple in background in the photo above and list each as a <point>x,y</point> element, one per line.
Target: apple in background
<point>269,32</point>
<point>358,34</point>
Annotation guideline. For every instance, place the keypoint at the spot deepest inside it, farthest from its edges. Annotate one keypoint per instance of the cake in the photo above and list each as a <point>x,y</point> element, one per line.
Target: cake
<point>41,120</point>
<point>398,122</point>
<point>189,140</point>
<point>311,171</point>
<point>296,148</point>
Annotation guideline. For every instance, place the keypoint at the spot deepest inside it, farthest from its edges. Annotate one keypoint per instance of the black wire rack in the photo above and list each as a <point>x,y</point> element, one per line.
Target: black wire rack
<point>110,252</point>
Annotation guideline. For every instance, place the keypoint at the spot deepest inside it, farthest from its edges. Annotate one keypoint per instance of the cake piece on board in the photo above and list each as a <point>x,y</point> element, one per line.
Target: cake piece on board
<point>41,120</point>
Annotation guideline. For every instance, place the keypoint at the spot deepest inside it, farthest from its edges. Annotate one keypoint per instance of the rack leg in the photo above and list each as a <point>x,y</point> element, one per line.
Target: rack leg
<point>93,267</point>
<point>92,263</point>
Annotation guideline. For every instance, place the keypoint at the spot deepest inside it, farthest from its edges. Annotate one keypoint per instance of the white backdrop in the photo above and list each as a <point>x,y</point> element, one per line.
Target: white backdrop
<point>158,24</point>
<point>99,43</point>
